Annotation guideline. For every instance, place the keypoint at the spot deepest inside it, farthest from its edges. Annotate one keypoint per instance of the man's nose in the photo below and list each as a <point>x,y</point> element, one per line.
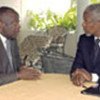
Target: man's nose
<point>83,24</point>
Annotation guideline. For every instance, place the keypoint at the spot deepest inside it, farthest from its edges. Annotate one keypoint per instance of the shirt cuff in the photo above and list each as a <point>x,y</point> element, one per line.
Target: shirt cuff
<point>95,77</point>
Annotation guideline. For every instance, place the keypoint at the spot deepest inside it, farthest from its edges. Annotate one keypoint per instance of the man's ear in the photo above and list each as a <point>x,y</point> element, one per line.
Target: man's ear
<point>1,26</point>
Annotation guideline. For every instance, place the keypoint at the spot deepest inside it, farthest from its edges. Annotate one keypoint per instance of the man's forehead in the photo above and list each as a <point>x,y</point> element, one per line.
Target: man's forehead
<point>9,16</point>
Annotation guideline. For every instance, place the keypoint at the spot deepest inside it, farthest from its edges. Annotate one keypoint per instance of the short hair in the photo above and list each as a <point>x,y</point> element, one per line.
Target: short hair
<point>94,10</point>
<point>5,9</point>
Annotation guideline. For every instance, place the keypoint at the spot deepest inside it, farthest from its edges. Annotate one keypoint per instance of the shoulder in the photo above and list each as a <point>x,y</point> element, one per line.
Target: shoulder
<point>14,42</point>
<point>86,37</point>
<point>85,40</point>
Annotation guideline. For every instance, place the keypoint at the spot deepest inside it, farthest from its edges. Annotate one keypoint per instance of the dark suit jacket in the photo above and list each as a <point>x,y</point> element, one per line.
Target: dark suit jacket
<point>85,55</point>
<point>6,74</point>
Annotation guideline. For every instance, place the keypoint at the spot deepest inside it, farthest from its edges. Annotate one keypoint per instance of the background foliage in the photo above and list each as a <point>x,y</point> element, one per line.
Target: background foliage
<point>95,1</point>
<point>46,20</point>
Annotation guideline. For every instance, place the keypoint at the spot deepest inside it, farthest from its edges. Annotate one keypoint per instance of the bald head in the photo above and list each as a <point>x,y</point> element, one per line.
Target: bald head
<point>7,9</point>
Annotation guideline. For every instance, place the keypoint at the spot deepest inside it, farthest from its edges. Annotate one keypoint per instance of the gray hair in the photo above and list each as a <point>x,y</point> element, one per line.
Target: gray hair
<point>94,10</point>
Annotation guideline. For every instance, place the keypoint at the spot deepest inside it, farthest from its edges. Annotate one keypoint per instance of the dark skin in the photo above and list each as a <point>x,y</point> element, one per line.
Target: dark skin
<point>9,27</point>
<point>80,76</point>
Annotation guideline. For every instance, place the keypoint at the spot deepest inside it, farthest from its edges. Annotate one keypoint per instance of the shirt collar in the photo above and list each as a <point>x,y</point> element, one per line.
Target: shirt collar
<point>3,38</point>
<point>96,37</point>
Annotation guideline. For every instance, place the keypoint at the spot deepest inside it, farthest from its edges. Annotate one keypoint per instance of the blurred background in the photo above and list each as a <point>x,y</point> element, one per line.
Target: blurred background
<point>47,19</point>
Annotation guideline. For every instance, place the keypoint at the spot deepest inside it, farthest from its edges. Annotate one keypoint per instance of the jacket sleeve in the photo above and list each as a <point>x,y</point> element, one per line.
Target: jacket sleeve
<point>7,78</point>
<point>78,61</point>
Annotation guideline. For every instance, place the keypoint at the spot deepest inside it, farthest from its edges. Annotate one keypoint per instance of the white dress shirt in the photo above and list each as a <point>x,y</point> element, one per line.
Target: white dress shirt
<point>3,39</point>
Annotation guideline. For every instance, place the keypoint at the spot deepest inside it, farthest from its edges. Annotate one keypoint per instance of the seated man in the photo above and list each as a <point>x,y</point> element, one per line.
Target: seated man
<point>86,66</point>
<point>11,68</point>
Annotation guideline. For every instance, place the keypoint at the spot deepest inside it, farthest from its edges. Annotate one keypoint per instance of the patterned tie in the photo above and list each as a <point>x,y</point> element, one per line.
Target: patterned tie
<point>8,45</point>
<point>96,49</point>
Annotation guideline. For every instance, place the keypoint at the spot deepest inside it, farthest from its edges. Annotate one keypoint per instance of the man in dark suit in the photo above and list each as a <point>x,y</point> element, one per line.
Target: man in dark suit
<point>86,66</point>
<point>11,68</point>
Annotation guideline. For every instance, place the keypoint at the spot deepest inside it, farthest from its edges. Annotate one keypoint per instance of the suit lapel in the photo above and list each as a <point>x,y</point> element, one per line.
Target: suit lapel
<point>13,54</point>
<point>4,64</point>
<point>89,50</point>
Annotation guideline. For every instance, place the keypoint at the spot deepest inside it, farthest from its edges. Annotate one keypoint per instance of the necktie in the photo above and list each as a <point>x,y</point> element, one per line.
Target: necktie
<point>8,45</point>
<point>96,49</point>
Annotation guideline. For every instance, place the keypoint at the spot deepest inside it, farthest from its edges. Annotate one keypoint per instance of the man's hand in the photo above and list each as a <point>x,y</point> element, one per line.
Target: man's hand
<point>80,76</point>
<point>27,73</point>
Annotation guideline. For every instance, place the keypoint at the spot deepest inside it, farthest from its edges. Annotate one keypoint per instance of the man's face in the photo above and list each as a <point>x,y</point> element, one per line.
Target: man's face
<point>89,25</point>
<point>10,24</point>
